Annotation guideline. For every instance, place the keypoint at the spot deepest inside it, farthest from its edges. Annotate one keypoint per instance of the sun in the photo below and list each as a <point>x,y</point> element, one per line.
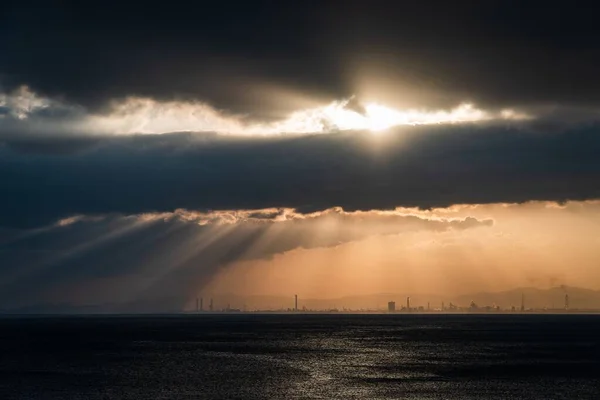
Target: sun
<point>380,118</point>
<point>373,117</point>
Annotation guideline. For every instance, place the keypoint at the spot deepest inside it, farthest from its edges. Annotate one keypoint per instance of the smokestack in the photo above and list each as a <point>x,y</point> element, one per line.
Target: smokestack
<point>210,306</point>
<point>408,303</point>
<point>295,302</point>
<point>522,302</point>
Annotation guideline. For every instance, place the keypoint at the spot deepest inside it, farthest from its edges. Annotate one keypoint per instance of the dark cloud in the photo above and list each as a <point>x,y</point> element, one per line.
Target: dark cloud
<point>237,58</point>
<point>158,262</point>
<point>429,166</point>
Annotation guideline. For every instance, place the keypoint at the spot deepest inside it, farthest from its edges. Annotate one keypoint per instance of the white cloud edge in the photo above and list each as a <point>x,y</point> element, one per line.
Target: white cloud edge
<point>24,110</point>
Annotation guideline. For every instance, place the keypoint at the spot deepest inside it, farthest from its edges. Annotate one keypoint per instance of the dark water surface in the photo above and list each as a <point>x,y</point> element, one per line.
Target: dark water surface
<point>301,357</point>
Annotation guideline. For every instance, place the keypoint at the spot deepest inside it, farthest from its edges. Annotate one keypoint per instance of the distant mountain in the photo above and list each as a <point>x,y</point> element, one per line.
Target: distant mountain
<point>536,298</point>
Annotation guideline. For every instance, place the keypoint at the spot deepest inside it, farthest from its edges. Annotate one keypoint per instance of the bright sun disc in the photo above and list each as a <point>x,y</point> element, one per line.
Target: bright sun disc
<point>380,118</point>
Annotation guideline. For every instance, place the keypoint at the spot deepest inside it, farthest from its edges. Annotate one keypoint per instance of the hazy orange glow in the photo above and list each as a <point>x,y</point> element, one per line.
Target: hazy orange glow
<point>533,244</point>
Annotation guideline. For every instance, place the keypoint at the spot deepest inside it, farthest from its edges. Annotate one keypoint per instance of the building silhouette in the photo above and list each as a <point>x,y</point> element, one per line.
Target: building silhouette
<point>391,306</point>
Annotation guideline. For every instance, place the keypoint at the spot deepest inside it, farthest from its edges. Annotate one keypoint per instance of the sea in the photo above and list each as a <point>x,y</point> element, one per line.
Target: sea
<point>300,356</point>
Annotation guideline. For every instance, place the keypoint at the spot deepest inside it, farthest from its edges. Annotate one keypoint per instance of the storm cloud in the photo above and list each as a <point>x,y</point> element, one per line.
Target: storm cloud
<point>428,166</point>
<point>265,59</point>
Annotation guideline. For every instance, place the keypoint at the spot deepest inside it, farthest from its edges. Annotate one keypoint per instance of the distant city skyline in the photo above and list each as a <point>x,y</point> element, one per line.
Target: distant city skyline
<point>557,298</point>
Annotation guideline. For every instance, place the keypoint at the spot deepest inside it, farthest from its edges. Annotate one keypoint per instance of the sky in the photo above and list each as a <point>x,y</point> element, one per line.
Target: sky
<point>150,155</point>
